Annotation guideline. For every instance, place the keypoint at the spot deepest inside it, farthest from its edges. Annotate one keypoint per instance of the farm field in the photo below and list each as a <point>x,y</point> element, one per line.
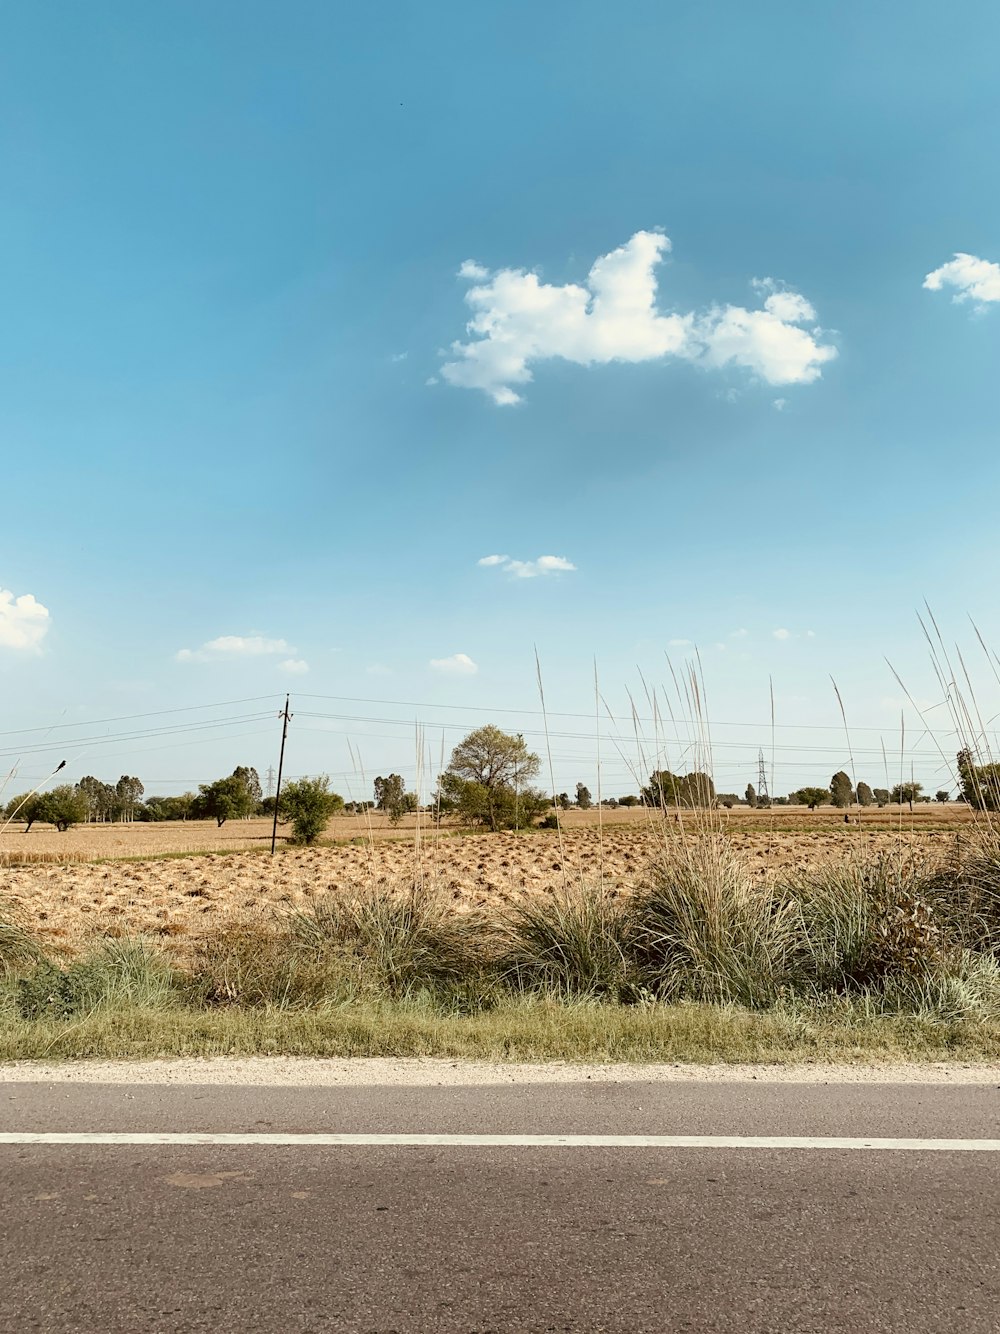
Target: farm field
<point>182,881</point>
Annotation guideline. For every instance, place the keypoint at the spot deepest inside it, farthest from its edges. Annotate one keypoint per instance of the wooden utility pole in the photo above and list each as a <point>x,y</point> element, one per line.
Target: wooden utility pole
<point>281,760</point>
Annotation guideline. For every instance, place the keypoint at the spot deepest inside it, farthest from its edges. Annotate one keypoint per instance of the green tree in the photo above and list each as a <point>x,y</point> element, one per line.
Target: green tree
<point>979,783</point>
<point>865,795</point>
<point>630,799</point>
<point>881,795</point>
<point>487,781</point>
<point>942,796</point>
<point>904,794</point>
<point>250,779</point>
<point>309,804</point>
<point>811,797</point>
<point>392,797</point>
<point>696,790</point>
<point>225,799</point>
<point>841,790</point>
<point>128,794</point>
<point>751,796</point>
<point>562,801</point>
<point>583,797</point>
<point>101,798</point>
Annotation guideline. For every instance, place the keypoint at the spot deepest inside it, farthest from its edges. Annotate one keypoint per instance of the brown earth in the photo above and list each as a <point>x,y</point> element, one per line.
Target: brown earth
<point>182,898</point>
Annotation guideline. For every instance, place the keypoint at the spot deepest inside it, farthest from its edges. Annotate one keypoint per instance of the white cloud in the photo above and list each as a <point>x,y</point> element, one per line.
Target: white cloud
<point>24,622</point>
<point>517,320</point>
<point>459,664</point>
<point>234,646</point>
<point>528,569</point>
<point>741,633</point>
<point>678,643</point>
<point>780,404</point>
<point>973,279</point>
<point>793,634</point>
<point>294,666</point>
<point>399,356</point>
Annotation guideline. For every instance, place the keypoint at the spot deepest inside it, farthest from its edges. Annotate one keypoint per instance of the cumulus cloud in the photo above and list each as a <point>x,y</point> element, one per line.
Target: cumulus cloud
<point>528,569</point>
<point>517,319</point>
<point>294,666</point>
<point>972,278</point>
<point>459,664</point>
<point>234,646</point>
<point>24,622</point>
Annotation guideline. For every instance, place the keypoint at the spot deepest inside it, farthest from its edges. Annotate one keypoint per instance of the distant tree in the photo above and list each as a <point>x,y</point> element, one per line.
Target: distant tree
<point>101,798</point>
<point>942,796</point>
<point>630,799</point>
<point>562,801</point>
<point>881,795</point>
<point>250,779</point>
<point>979,783</point>
<point>751,796</point>
<point>583,798</point>
<point>728,800</point>
<point>225,799</point>
<point>904,794</point>
<point>696,790</point>
<point>865,795</point>
<point>391,796</point>
<point>63,806</point>
<point>309,804</point>
<point>128,794</point>
<point>487,781</point>
<point>170,808</point>
<point>811,797</point>
<point>841,790</point>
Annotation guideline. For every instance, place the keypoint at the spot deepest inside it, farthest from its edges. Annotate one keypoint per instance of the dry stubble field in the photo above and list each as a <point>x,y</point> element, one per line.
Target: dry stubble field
<point>136,879</point>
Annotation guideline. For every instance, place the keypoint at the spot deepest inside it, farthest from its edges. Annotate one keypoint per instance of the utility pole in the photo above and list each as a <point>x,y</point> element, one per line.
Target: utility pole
<point>281,760</point>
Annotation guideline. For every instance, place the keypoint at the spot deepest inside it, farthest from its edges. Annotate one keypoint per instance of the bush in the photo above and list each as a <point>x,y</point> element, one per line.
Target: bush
<point>309,804</point>
<point>121,974</point>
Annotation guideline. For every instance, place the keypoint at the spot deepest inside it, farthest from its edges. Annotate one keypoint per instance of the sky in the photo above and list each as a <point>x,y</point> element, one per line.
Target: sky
<point>363,352</point>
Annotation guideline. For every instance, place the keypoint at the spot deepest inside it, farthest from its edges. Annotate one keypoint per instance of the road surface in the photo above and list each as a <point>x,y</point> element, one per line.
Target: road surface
<point>371,1235</point>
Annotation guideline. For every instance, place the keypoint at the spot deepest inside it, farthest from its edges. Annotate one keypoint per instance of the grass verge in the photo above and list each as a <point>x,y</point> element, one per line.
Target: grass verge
<point>520,1031</point>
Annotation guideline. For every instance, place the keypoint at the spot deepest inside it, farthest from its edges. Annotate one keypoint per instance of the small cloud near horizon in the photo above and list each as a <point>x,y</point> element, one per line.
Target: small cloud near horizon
<point>528,569</point>
<point>294,666</point>
<point>234,646</point>
<point>459,664</point>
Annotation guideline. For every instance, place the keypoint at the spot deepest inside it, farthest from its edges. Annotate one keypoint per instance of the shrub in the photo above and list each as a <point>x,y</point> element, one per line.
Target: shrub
<point>121,974</point>
<point>309,804</point>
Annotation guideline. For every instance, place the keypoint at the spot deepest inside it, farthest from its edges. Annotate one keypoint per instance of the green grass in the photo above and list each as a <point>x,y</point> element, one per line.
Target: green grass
<point>517,1031</point>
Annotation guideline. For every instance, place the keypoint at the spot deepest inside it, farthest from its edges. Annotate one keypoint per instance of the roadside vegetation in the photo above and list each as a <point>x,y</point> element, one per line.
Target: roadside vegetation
<point>879,957</point>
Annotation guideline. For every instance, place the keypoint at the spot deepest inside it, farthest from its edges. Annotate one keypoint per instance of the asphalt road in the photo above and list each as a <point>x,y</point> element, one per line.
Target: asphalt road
<point>475,1239</point>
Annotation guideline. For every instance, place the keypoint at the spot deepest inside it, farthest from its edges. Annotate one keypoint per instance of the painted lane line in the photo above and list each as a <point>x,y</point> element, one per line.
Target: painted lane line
<point>324,1140</point>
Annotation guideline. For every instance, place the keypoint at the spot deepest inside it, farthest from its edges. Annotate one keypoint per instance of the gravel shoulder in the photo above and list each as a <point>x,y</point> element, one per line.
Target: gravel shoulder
<point>278,1072</point>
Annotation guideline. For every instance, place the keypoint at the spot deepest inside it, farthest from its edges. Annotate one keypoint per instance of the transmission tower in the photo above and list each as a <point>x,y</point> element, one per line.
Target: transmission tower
<point>269,781</point>
<point>763,799</point>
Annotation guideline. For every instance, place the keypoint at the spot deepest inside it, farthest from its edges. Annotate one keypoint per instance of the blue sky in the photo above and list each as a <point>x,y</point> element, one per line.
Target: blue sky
<point>232,238</point>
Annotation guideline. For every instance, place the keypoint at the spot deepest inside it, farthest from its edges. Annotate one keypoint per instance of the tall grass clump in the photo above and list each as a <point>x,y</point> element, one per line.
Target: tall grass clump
<point>396,940</point>
<point>704,928</point>
<point>258,963</point>
<point>574,942</point>
<point>18,945</point>
<point>119,975</point>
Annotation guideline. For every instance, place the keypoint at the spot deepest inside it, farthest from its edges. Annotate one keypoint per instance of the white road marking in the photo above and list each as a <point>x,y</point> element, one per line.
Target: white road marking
<point>325,1141</point>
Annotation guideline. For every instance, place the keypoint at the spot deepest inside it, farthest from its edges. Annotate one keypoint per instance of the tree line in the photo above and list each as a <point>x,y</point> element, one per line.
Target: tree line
<point>488,783</point>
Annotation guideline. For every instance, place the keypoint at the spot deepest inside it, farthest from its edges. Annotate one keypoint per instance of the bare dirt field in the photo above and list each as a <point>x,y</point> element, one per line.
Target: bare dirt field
<point>127,879</point>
